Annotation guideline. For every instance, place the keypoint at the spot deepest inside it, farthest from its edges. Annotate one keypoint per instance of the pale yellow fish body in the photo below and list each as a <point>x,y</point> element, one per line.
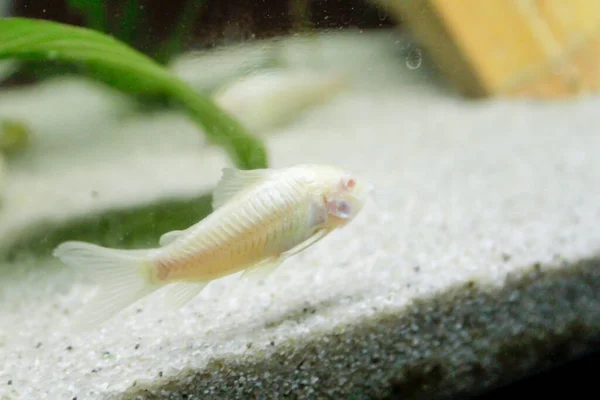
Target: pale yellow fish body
<point>260,218</point>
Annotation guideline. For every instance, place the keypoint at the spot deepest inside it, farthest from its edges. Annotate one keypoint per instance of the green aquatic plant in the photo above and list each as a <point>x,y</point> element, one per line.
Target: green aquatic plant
<point>122,67</point>
<point>131,22</point>
<point>128,24</point>
<point>175,43</point>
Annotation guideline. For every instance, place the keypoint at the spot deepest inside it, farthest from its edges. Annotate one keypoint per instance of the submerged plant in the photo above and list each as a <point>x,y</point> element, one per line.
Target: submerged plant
<point>120,66</point>
<point>131,21</point>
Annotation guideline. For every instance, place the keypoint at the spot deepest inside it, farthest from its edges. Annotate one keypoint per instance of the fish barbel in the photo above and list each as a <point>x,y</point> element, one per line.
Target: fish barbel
<point>260,218</point>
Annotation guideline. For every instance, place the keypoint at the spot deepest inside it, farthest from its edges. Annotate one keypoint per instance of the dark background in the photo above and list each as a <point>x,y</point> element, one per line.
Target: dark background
<point>232,20</point>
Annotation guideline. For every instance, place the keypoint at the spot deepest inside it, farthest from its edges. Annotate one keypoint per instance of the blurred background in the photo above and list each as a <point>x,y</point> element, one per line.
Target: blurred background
<point>537,49</point>
<point>165,29</point>
<point>527,47</point>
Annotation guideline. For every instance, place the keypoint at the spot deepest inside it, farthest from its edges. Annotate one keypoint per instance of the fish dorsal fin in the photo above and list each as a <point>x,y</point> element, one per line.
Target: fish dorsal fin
<point>169,238</point>
<point>234,181</point>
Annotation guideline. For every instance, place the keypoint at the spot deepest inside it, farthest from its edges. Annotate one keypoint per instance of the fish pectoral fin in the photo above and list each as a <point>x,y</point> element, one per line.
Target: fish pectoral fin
<point>234,181</point>
<point>320,234</point>
<point>178,294</point>
<point>262,270</point>
<point>169,237</point>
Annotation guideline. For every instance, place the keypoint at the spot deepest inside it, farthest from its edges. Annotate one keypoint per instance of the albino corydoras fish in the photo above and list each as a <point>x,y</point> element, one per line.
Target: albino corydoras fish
<point>259,219</point>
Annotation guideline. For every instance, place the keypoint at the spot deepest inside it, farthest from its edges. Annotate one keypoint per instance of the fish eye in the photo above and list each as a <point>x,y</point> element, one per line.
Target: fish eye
<point>348,182</point>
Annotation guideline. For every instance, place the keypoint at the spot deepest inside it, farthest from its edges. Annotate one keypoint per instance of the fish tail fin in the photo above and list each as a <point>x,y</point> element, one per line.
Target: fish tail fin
<point>123,276</point>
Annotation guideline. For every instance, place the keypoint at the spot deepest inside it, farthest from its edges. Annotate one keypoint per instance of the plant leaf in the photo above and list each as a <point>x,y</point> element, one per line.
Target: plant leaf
<point>175,43</point>
<point>128,70</point>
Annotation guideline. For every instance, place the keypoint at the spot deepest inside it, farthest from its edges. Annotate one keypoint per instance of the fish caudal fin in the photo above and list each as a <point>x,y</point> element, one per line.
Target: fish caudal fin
<point>123,277</point>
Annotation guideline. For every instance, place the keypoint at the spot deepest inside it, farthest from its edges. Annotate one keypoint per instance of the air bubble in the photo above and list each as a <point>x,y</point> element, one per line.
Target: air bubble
<point>414,58</point>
